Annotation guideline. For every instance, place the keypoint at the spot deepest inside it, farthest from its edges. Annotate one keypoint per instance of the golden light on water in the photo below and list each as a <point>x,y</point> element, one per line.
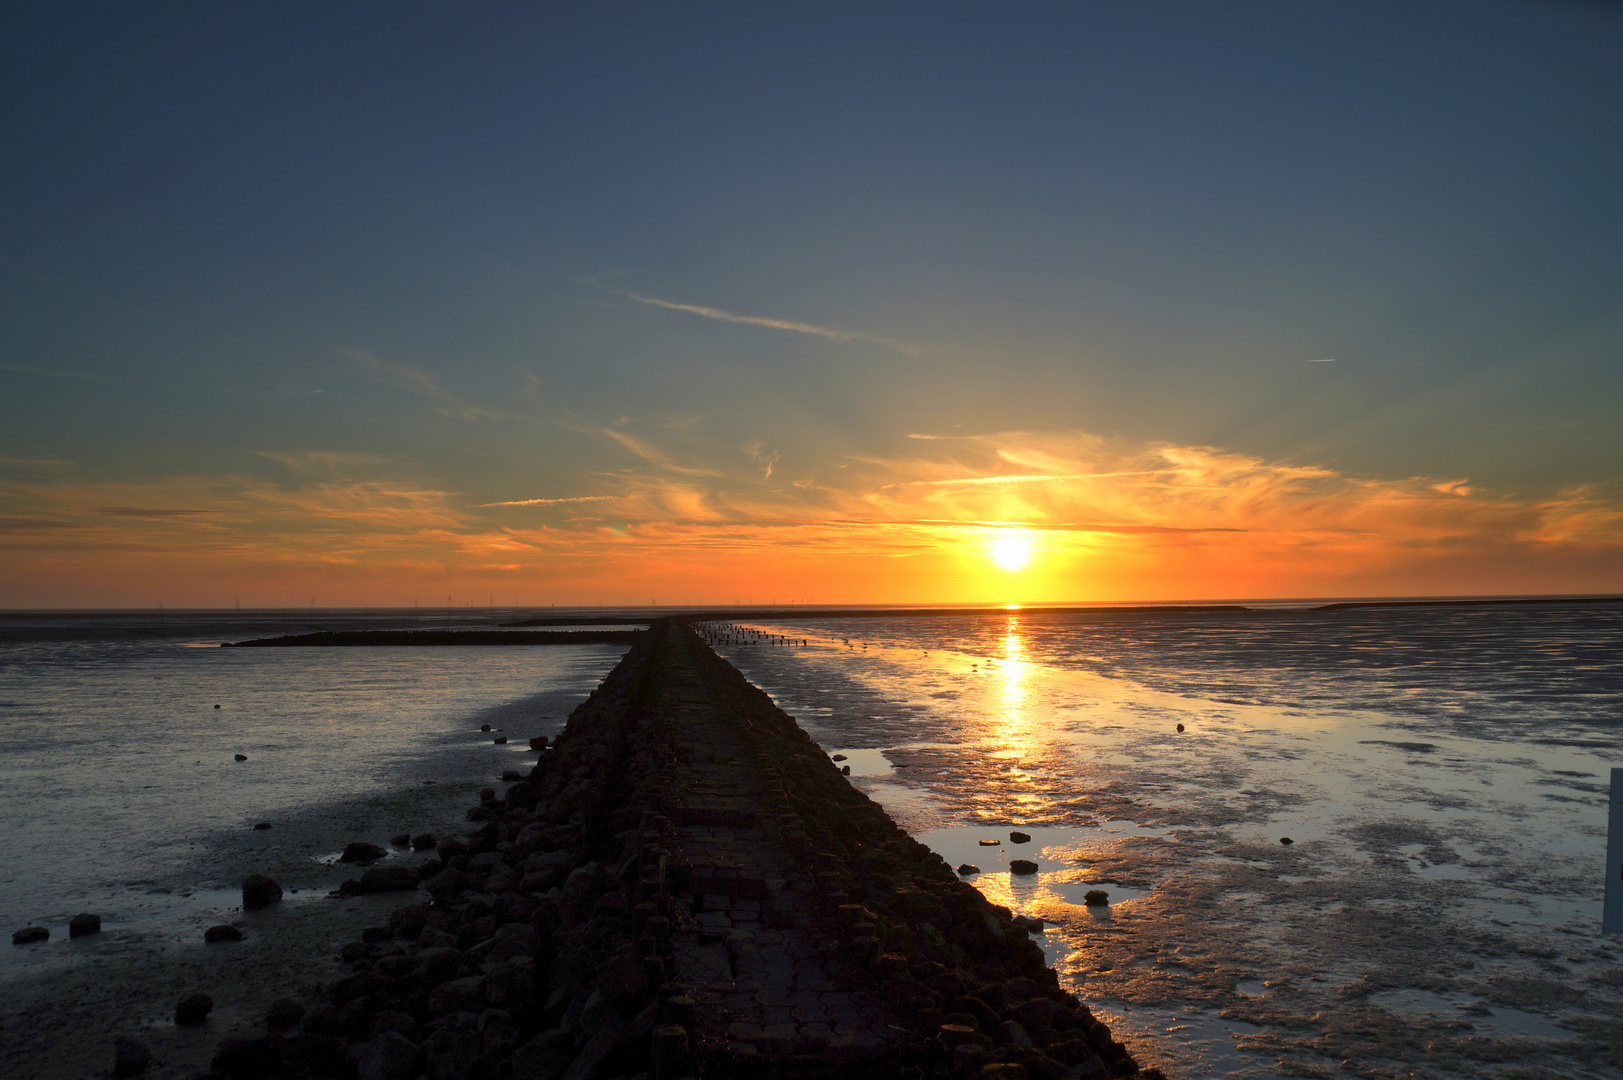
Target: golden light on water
<point>1012,550</point>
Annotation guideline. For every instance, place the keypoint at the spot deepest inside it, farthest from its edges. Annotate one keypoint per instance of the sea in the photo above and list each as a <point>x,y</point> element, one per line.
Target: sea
<point>1334,840</point>
<point>1439,773</point>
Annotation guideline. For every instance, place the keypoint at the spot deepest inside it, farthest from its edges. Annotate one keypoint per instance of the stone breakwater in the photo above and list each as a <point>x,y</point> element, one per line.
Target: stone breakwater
<point>686,886</point>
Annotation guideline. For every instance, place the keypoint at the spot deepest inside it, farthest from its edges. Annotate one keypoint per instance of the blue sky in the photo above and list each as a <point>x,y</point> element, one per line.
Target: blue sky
<point>302,288</point>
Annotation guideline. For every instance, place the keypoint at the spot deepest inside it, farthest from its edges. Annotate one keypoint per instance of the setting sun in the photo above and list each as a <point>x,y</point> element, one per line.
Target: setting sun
<point>1011,551</point>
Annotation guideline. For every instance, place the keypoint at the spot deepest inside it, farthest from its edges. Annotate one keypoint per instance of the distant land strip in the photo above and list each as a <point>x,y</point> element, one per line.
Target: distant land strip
<point>755,614</point>
<point>444,637</point>
<point>1516,600</point>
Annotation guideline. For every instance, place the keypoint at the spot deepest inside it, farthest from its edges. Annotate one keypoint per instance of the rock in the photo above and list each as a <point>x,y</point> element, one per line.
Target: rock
<point>511,776</point>
<point>1028,922</point>
<point>484,727</point>
<point>82,924</point>
<point>130,1057</point>
<point>538,743</point>
<point>398,1022</point>
<point>424,842</point>
<point>845,770</point>
<point>990,843</point>
<point>216,706</point>
<point>388,879</point>
<point>1180,727</point>
<point>258,891</point>
<point>1019,838</point>
<point>30,935</point>
<point>968,869</point>
<point>215,934</point>
<point>193,1008</point>
<point>1022,866</point>
<point>361,852</point>
<point>240,757</point>
<point>283,1014</point>
<point>1096,898</point>
<point>400,840</point>
<point>500,740</point>
<point>390,1056</point>
<point>249,1059</point>
<point>262,826</point>
<point>1286,840</point>
<point>839,757</point>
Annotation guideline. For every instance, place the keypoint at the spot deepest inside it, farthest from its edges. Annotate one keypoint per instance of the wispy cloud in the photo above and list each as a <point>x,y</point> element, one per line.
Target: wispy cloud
<point>421,383</point>
<point>552,502</point>
<point>830,333</point>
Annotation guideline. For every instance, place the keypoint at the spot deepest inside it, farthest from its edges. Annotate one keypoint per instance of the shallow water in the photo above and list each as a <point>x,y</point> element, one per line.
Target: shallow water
<point>122,796</point>
<point>1440,774</point>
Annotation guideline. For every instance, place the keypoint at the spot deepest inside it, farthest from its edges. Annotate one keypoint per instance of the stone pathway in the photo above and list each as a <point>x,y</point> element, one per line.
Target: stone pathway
<point>766,961</point>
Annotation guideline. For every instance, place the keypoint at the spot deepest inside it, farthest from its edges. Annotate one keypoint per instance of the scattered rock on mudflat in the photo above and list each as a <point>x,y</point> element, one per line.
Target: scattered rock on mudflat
<point>1019,838</point>
<point>538,743</point>
<point>511,776</point>
<point>215,934</point>
<point>1287,841</point>
<point>968,869</point>
<point>30,935</point>
<point>84,923</point>
<point>845,770</point>
<point>262,826</point>
<point>423,842</point>
<point>283,1014</point>
<point>193,1008</point>
<point>1022,866</point>
<point>484,727</point>
<point>381,879</point>
<point>839,757</point>
<point>1180,727</point>
<point>360,851</point>
<point>990,843</point>
<point>1096,898</point>
<point>130,1057</point>
<point>240,757</point>
<point>500,739</point>
<point>258,891</point>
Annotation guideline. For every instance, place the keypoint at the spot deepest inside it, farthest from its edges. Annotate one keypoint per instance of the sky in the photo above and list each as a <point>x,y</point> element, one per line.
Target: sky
<point>374,304</point>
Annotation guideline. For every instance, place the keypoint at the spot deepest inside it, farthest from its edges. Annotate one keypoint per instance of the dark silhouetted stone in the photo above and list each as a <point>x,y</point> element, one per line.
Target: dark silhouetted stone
<point>1096,898</point>
<point>1019,838</point>
<point>1180,727</point>
<point>240,757</point>
<point>538,743</point>
<point>258,891</point>
<point>389,1056</point>
<point>1286,840</point>
<point>1022,866</point>
<point>499,740</point>
<point>84,923</point>
<point>30,935</point>
<point>216,934</point>
<point>400,840</point>
<point>969,869</point>
<point>193,1008</point>
<point>361,852</point>
<point>130,1058</point>
<point>424,842</point>
<point>839,757</point>
<point>262,826</point>
<point>283,1014</point>
<point>382,879</point>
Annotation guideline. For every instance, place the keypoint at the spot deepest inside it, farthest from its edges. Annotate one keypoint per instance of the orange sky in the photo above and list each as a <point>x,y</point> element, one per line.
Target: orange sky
<point>688,521</point>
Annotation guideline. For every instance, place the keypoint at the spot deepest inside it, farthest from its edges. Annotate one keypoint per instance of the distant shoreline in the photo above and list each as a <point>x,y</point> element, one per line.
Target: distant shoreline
<point>441,637</point>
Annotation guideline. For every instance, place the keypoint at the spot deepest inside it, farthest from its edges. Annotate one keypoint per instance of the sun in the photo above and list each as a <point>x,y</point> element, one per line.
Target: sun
<point>1012,551</point>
